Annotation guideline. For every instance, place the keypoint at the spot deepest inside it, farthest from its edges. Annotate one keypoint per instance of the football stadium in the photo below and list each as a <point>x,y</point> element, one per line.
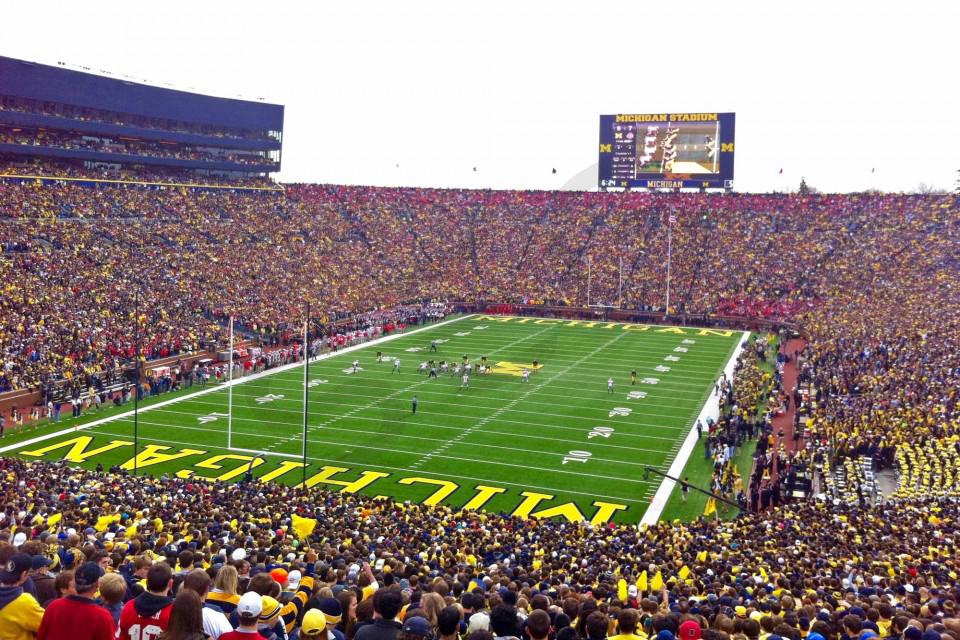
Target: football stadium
<point>242,399</point>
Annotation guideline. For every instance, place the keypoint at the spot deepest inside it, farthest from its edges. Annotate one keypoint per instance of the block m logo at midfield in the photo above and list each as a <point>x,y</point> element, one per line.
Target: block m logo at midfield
<point>513,369</point>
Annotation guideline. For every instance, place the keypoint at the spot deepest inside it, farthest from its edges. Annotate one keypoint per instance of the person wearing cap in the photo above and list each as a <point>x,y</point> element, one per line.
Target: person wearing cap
<point>689,630</point>
<point>79,617</point>
<point>292,586</point>
<point>148,615</point>
<point>333,613</point>
<point>249,608</point>
<point>20,613</point>
<point>269,623</point>
<point>265,584</point>
<point>415,628</point>
<point>43,578</point>
<point>314,625</point>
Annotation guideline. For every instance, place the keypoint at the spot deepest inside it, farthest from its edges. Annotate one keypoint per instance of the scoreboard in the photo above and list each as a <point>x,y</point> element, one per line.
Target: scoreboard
<point>667,150</point>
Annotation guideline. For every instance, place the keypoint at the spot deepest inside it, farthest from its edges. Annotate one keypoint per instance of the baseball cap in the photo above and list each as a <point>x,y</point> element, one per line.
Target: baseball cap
<point>313,622</point>
<point>279,575</point>
<point>741,611</point>
<point>293,580</point>
<point>417,626</point>
<point>87,576</point>
<point>19,539</point>
<point>250,605</point>
<point>39,562</point>
<point>689,630</point>
<point>17,564</point>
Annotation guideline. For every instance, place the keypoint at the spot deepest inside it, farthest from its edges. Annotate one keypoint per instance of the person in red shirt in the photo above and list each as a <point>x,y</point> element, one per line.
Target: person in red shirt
<point>147,616</point>
<point>248,612</point>
<point>78,617</point>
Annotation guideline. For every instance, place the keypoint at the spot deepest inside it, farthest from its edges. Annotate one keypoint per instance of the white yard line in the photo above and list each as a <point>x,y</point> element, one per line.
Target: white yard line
<point>711,408</point>
<point>509,406</point>
<point>225,385</point>
<point>373,403</point>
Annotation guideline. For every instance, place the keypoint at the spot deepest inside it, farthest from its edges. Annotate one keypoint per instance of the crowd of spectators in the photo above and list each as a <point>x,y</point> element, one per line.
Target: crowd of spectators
<point>262,555</point>
<point>87,114</point>
<point>106,144</point>
<point>871,278</point>
<point>129,174</point>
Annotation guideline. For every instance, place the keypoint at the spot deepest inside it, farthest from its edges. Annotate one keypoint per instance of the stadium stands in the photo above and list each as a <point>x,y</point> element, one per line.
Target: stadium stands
<point>871,278</point>
<point>807,568</point>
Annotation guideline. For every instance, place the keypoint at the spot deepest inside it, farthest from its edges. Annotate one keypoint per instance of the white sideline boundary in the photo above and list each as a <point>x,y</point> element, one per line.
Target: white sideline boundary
<point>224,385</point>
<point>711,409</point>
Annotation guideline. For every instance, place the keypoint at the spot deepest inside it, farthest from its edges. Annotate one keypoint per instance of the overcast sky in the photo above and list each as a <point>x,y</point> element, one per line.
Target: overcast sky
<point>825,90</point>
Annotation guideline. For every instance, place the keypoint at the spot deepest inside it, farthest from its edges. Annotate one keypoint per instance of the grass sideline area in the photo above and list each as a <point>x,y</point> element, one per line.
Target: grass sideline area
<point>559,445</point>
<point>700,470</point>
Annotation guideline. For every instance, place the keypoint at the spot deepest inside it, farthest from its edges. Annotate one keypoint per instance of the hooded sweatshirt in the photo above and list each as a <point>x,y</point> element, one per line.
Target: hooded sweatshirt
<point>148,612</point>
<point>20,614</point>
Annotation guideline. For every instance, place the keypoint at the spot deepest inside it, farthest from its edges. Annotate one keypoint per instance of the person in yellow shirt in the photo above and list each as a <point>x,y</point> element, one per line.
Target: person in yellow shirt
<point>628,624</point>
<point>20,613</point>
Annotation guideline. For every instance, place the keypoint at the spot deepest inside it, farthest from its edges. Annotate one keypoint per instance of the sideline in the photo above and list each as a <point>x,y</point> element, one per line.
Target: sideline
<point>711,408</point>
<point>256,376</point>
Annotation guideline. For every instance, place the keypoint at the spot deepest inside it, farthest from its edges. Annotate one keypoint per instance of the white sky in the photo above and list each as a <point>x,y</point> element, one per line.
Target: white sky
<point>825,90</point>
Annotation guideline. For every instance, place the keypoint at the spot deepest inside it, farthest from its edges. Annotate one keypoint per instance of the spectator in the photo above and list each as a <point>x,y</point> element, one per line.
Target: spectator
<point>113,588</point>
<point>314,626</point>
<point>448,624</point>
<point>20,614</point>
<point>215,622</point>
<point>386,606</point>
<point>249,608</point>
<point>78,616</point>
<point>147,615</point>
<point>186,619</point>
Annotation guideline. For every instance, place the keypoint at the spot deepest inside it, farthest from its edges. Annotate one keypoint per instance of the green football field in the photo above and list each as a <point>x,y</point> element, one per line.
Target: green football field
<point>560,445</point>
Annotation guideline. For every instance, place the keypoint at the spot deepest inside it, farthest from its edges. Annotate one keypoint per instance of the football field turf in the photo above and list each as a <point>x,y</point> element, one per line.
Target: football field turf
<point>558,445</point>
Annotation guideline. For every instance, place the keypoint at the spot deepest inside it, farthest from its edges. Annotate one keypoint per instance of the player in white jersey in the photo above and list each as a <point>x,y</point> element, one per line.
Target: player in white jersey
<point>396,366</point>
<point>525,376</point>
<point>481,369</point>
<point>467,368</point>
<point>465,384</point>
<point>356,365</point>
<point>455,371</point>
<point>609,385</point>
<point>443,366</point>
<point>423,368</point>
